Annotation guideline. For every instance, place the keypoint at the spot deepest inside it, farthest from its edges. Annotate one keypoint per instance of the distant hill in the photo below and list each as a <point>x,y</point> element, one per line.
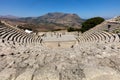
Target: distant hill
<point>72,20</point>
<point>50,21</point>
<point>8,17</point>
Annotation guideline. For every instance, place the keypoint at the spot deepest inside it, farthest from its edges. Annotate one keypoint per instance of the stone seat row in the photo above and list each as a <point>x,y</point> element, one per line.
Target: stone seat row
<point>11,34</point>
<point>100,36</point>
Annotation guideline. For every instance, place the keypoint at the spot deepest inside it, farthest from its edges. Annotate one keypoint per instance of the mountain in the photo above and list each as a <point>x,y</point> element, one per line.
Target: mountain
<point>49,21</point>
<point>8,16</point>
<point>71,20</point>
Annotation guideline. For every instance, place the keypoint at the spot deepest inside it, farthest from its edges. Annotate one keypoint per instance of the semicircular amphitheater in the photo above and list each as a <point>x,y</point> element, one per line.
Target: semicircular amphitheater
<point>93,55</point>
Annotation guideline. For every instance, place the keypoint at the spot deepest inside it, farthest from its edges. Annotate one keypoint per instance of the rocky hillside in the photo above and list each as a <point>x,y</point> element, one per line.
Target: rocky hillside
<point>50,21</point>
<point>57,18</point>
<point>61,18</point>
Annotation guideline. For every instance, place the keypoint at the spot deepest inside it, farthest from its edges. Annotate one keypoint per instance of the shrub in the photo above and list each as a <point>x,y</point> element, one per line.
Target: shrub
<point>70,29</point>
<point>90,23</point>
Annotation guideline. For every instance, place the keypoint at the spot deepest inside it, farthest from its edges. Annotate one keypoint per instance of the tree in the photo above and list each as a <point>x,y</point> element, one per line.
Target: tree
<point>90,23</point>
<point>70,29</point>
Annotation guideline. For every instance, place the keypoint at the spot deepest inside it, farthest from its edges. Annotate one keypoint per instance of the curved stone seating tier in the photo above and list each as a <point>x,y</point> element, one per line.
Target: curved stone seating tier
<point>116,37</point>
<point>87,37</point>
<point>16,30</point>
<point>100,36</point>
<point>111,38</point>
<point>96,36</point>
<point>93,37</point>
<point>16,35</point>
<point>10,35</point>
<point>105,37</point>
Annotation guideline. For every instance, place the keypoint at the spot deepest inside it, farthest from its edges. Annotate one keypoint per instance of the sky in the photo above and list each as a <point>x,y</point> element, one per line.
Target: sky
<point>84,8</point>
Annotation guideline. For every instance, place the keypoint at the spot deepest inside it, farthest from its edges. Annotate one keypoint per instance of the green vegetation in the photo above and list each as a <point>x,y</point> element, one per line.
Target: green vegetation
<point>90,23</point>
<point>70,29</point>
<point>56,30</point>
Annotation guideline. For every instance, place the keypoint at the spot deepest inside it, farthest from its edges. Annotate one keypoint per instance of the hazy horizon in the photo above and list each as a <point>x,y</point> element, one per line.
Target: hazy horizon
<point>84,8</point>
